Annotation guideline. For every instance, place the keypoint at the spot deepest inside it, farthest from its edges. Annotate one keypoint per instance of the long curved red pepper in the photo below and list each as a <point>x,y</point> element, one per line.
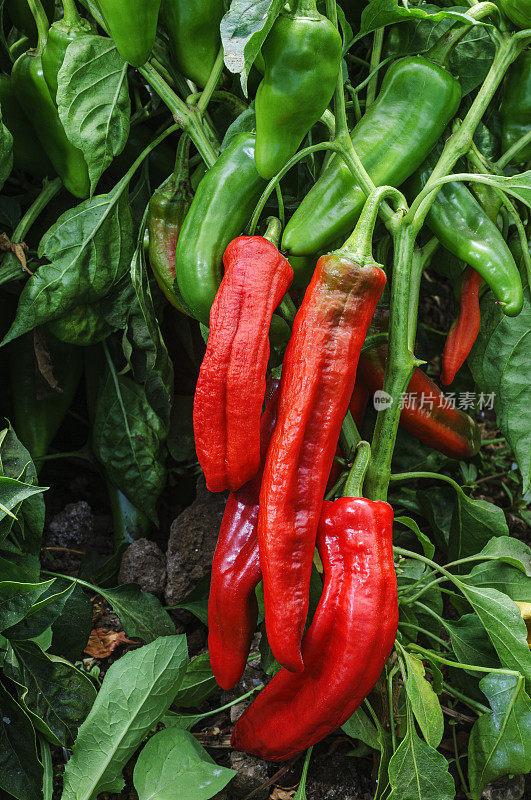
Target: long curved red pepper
<point>465,329</point>
<point>347,643</point>
<point>317,381</point>
<point>426,414</point>
<point>232,379</point>
<point>232,606</point>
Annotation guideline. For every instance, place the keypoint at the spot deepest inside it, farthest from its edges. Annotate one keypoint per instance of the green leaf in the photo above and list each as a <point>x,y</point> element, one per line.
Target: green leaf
<point>127,438</point>
<point>13,492</point>
<point>136,691</point>
<point>140,613</point>
<point>504,625</point>
<point>474,523</point>
<point>469,642</point>
<point>21,772</point>
<point>499,363</point>
<point>56,695</point>
<point>151,363</point>
<point>183,721</point>
<point>427,546</point>
<point>424,702</point>
<point>511,551</point>
<point>16,599</point>
<point>519,186</point>
<point>71,629</point>
<point>93,101</point>
<point>174,766</point>
<point>198,683</point>
<point>243,31</point>
<point>90,248</point>
<point>502,577</point>
<point>499,742</point>
<point>418,772</point>
<point>360,727</point>
<point>6,152</point>
<point>15,462</point>
<point>196,601</point>
<point>385,12</point>
<point>42,614</point>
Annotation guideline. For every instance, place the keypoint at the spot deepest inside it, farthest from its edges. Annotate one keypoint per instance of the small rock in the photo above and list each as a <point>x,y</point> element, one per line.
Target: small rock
<point>144,563</point>
<point>72,527</point>
<point>505,789</point>
<point>192,542</point>
<point>252,773</point>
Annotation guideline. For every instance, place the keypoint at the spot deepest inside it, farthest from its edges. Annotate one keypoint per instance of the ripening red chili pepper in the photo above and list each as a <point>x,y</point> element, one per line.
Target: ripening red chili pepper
<point>318,377</point>
<point>232,380</point>
<point>232,607</point>
<point>465,329</point>
<point>347,643</point>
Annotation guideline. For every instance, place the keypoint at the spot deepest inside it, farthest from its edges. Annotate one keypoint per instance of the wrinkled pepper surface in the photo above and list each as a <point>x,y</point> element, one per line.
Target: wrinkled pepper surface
<point>347,644</point>
<point>302,55</point>
<point>232,380</point>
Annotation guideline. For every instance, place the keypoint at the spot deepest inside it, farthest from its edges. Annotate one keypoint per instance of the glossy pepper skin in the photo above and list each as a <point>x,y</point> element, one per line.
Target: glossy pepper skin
<point>518,11</point>
<point>20,15</point>
<point>347,644</point>
<point>417,100</point>
<point>38,409</point>
<point>221,208</point>
<point>465,329</point>
<point>34,96</point>
<point>318,378</point>
<point>426,413</point>
<point>132,25</point>
<point>232,606</point>
<point>193,31</point>
<point>168,208</point>
<point>462,226</point>
<point>515,109</point>
<point>28,154</point>
<point>302,55</point>
<point>60,35</point>
<point>231,387</point>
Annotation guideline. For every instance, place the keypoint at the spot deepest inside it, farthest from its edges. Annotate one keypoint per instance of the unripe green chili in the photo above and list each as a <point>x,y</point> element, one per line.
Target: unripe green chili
<point>518,11</point>
<point>28,153</point>
<point>194,37</point>
<point>515,109</point>
<point>132,25</point>
<point>61,33</point>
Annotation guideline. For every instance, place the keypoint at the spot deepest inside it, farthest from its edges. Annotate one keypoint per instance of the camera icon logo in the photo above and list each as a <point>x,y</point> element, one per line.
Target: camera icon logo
<point>382,400</point>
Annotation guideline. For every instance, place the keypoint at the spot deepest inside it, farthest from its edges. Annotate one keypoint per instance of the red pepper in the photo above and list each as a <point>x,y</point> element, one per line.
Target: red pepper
<point>465,329</point>
<point>232,380</point>
<point>427,414</point>
<point>318,378</point>
<point>232,607</point>
<point>347,643</point>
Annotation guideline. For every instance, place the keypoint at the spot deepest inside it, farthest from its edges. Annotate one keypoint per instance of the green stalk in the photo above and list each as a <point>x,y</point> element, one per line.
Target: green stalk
<point>71,14</point>
<point>41,21</point>
<point>376,54</point>
<point>359,244</point>
<point>356,476</point>
<point>515,148</point>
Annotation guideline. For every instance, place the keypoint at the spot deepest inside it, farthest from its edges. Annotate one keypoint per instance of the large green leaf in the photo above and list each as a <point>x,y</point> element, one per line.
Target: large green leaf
<point>424,702</point>
<point>499,742</point>
<point>21,771</point>
<point>474,523</point>
<point>43,612</point>
<point>57,696</point>
<point>500,365</point>
<point>384,12</point>
<point>418,772</point>
<point>136,691</point>
<point>6,152</point>
<point>93,101</point>
<point>174,766</point>
<point>140,613</point>
<point>16,599</point>
<point>198,683</point>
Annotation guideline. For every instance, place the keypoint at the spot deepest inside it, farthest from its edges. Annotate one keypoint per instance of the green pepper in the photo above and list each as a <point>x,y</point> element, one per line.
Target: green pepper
<point>466,230</point>
<point>302,55</point>
<point>20,15</point>
<point>28,154</point>
<point>39,410</point>
<point>34,96</point>
<point>193,31</point>
<point>167,210</point>
<point>515,109</point>
<point>221,208</point>
<point>132,25</point>
<point>60,35</point>
<point>518,11</point>
<point>417,100</point>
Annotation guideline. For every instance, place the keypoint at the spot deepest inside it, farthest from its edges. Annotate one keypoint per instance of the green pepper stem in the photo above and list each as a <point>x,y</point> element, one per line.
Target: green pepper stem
<point>41,21</point>
<point>212,82</point>
<point>376,54</point>
<point>182,159</point>
<point>359,244</point>
<point>71,14</point>
<point>304,7</point>
<point>349,437</point>
<point>513,150</point>
<point>273,231</point>
<point>356,476</point>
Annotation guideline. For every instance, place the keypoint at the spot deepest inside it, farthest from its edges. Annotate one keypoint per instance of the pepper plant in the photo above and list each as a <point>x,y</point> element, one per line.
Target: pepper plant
<point>225,230</point>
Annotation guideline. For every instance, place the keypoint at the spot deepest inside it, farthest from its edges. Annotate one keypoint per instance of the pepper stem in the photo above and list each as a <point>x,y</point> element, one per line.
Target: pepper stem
<point>356,476</point>
<point>181,169</point>
<point>71,15</point>
<point>41,21</point>
<point>304,7</point>
<point>273,231</point>
<point>359,244</point>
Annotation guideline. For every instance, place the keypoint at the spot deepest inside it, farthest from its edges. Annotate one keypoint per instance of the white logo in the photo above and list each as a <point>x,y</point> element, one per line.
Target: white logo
<point>382,400</point>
